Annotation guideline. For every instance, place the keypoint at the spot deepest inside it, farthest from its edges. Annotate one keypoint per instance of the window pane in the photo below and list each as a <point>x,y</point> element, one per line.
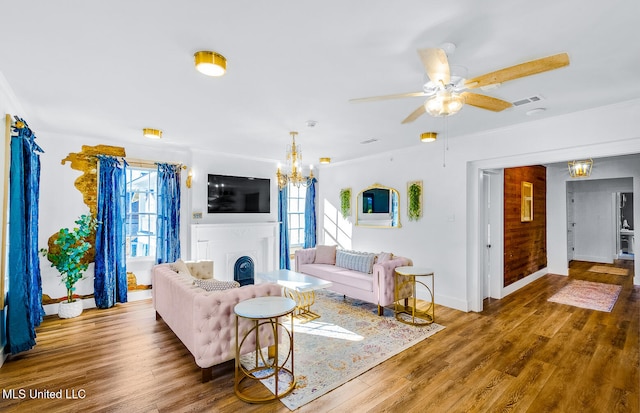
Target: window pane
<point>141,212</point>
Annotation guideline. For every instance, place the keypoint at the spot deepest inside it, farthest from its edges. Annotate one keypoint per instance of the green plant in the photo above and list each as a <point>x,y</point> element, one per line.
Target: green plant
<point>415,207</point>
<point>68,250</point>
<point>345,202</point>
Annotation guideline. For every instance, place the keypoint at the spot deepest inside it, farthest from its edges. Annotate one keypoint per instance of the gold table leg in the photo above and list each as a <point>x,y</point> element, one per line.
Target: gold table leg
<point>408,312</point>
<point>264,364</point>
<point>304,301</point>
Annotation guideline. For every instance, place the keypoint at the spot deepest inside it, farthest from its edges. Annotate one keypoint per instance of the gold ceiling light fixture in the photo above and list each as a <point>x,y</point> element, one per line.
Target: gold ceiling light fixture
<point>580,169</point>
<point>210,63</point>
<point>429,137</point>
<point>325,161</point>
<point>293,173</point>
<point>152,133</point>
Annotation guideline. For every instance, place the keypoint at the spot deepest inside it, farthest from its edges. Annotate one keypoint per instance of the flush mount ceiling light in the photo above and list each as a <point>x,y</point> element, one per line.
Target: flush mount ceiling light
<point>325,161</point>
<point>429,137</point>
<point>210,63</point>
<point>580,169</point>
<point>152,133</point>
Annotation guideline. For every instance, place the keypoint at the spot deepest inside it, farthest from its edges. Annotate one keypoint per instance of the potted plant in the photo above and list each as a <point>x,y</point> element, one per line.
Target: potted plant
<point>67,255</point>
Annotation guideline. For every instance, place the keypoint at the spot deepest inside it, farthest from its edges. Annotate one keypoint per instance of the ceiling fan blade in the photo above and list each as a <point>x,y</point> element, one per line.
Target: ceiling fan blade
<point>415,114</point>
<point>436,64</point>
<point>386,97</point>
<point>485,102</point>
<point>515,72</point>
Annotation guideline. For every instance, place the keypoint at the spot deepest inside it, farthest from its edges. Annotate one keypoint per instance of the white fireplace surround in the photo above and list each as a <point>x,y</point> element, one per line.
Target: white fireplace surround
<point>225,243</point>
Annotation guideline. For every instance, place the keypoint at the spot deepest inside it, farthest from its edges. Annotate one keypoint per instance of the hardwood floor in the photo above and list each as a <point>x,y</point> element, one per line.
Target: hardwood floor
<point>522,354</point>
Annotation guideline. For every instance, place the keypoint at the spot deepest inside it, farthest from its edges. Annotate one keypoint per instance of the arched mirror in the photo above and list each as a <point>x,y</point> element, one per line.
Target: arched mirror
<point>379,207</point>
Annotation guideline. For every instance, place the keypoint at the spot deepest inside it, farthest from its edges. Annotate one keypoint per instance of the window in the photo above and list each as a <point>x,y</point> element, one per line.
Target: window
<point>141,213</point>
<point>296,215</point>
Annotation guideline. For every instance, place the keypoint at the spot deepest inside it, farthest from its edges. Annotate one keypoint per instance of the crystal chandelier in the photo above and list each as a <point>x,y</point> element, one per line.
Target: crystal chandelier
<point>293,174</point>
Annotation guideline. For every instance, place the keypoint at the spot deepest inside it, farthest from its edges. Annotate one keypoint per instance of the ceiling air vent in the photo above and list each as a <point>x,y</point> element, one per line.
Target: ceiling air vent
<point>526,101</point>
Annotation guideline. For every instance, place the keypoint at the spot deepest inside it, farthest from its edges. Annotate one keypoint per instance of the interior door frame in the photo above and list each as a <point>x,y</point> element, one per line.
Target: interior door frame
<point>492,214</point>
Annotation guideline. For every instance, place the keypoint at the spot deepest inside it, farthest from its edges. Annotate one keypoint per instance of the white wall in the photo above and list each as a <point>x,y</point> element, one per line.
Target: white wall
<point>448,237</point>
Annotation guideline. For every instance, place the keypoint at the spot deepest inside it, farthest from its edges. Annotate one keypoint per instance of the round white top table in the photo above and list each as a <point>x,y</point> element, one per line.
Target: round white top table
<point>417,317</point>
<point>264,307</point>
<point>417,271</point>
<point>265,311</point>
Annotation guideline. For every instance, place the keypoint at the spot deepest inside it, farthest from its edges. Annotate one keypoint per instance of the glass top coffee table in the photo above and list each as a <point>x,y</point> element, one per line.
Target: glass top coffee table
<point>299,287</point>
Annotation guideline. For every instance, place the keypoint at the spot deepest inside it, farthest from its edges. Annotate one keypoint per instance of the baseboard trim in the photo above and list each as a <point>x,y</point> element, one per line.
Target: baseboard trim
<point>601,260</point>
<point>521,283</point>
<point>444,300</point>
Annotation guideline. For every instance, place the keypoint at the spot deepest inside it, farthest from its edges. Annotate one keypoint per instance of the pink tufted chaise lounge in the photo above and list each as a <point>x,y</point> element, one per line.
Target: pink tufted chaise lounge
<point>204,321</point>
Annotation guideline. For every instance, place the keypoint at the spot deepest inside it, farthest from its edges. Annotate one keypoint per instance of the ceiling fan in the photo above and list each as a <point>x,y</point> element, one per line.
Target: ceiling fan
<point>446,92</point>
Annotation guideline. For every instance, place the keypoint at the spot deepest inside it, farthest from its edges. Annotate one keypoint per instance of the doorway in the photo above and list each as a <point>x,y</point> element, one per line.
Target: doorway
<point>594,220</point>
<point>625,236</point>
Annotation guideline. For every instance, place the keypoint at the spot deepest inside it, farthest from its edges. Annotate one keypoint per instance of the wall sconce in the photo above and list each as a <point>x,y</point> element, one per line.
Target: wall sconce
<point>325,161</point>
<point>189,178</point>
<point>580,169</point>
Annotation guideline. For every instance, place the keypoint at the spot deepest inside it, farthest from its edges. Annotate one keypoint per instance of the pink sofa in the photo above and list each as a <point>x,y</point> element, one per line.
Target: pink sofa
<point>376,287</point>
<point>204,321</point>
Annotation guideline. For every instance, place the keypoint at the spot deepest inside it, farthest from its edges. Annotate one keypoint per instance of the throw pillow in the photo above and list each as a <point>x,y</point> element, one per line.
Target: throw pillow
<point>325,254</point>
<point>355,260</point>
<point>215,285</point>
<point>181,268</point>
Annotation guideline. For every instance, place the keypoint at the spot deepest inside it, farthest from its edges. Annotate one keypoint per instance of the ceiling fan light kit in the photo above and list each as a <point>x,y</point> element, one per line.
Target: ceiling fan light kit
<point>446,93</point>
<point>210,63</point>
<point>444,103</point>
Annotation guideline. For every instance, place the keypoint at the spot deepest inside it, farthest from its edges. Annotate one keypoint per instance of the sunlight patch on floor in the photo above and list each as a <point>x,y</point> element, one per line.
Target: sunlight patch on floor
<point>319,328</point>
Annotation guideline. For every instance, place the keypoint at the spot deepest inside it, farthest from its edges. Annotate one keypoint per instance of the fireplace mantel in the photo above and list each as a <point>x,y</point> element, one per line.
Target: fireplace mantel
<point>225,243</point>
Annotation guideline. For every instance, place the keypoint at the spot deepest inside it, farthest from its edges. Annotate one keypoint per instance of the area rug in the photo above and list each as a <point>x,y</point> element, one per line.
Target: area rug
<point>609,270</point>
<point>347,340</point>
<point>588,294</point>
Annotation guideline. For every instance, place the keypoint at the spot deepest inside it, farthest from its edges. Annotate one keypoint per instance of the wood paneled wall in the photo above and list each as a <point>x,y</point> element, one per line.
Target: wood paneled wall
<point>525,243</point>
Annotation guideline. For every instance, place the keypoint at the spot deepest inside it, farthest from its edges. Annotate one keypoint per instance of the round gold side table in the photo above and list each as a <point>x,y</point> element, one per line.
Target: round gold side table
<point>265,312</point>
<point>405,296</point>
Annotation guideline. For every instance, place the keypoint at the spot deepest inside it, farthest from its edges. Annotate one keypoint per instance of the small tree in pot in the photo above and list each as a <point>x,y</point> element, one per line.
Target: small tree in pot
<point>68,251</point>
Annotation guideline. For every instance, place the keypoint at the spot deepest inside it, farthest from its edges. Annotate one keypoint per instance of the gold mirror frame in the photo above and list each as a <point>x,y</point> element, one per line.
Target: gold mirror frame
<point>378,220</point>
<point>526,207</point>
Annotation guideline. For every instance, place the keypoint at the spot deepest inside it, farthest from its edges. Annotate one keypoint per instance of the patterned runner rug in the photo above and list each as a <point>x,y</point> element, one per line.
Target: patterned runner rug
<point>587,294</point>
<point>347,340</point>
<point>603,269</point>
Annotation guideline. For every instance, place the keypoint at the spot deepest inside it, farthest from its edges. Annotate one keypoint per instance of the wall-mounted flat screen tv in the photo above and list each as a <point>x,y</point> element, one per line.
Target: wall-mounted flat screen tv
<point>238,194</point>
